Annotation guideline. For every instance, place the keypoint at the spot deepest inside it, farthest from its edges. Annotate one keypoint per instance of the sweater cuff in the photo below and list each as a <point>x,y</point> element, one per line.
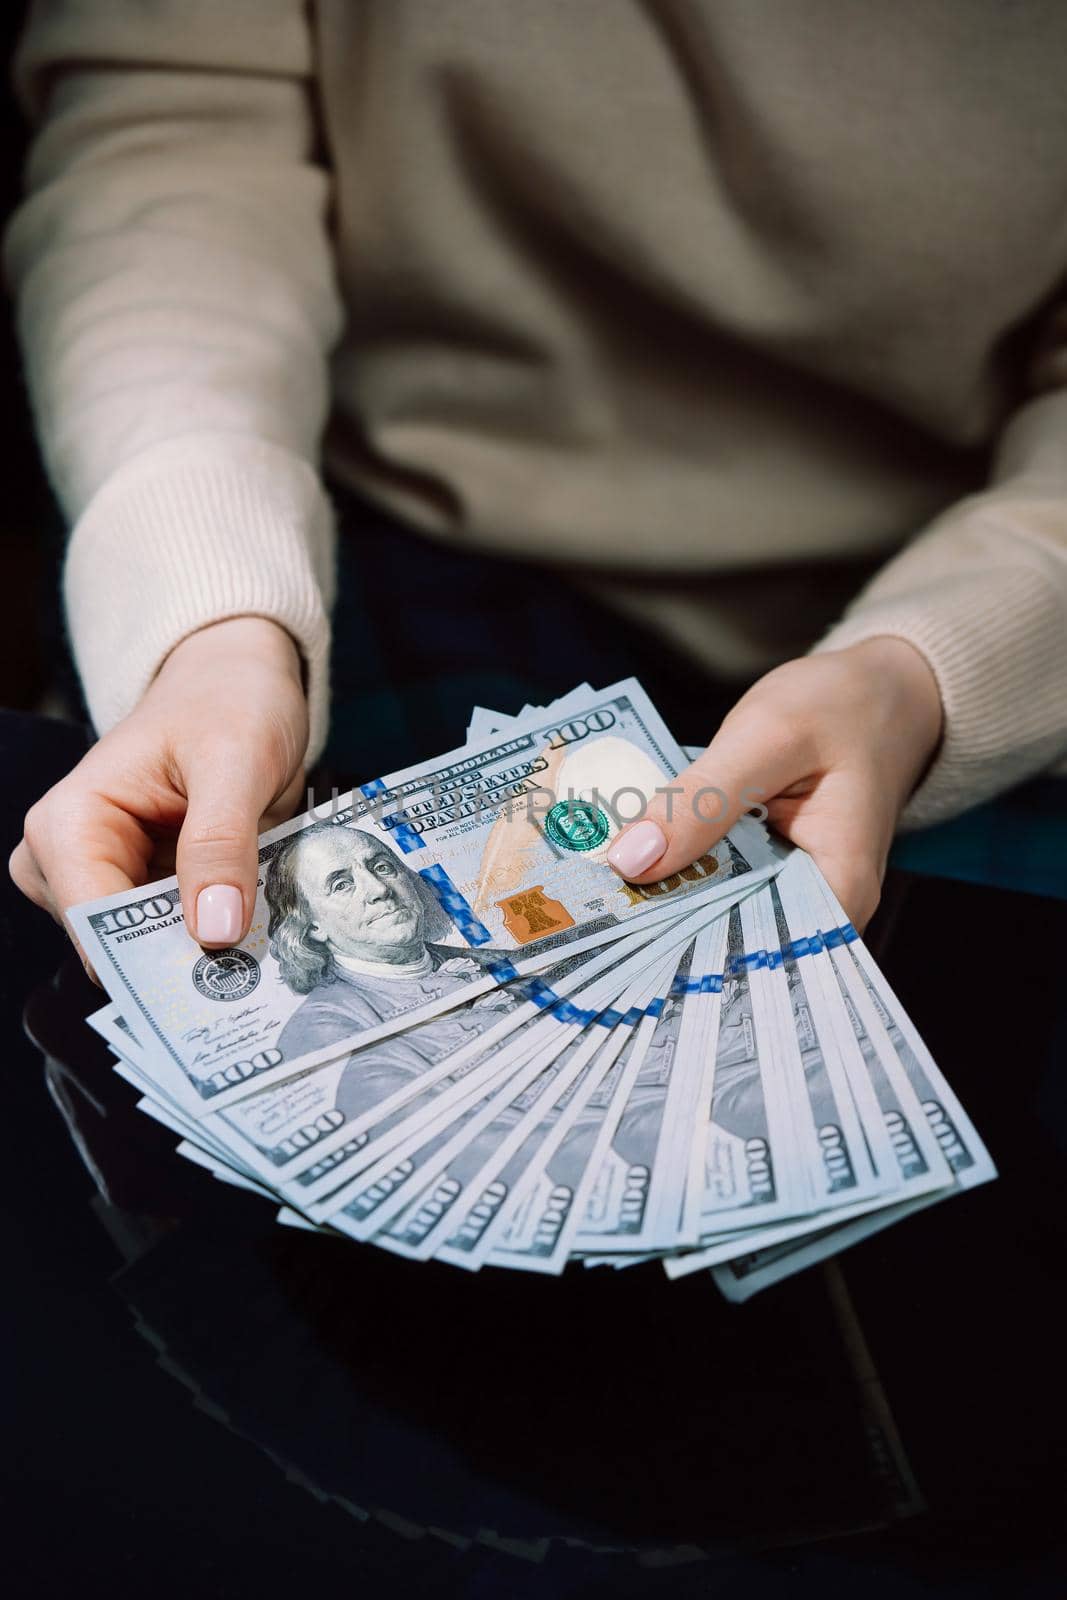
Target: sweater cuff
<point>190,532</point>
<point>996,641</point>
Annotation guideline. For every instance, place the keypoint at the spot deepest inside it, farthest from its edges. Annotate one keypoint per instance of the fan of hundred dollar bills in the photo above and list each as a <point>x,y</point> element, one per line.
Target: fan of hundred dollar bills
<point>454,1032</point>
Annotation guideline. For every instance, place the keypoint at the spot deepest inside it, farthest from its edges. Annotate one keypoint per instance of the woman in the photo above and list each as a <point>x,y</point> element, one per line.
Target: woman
<point>710,311</point>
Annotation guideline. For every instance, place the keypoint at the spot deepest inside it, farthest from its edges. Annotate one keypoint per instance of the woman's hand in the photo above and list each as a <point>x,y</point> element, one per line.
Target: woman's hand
<point>211,756</point>
<point>832,744</point>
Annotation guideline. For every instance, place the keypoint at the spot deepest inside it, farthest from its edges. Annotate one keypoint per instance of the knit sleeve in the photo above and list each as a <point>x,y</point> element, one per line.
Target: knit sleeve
<point>982,593</point>
<point>176,307</point>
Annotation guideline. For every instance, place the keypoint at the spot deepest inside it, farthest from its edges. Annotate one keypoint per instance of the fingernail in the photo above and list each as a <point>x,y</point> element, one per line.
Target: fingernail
<point>635,852</point>
<point>219,910</point>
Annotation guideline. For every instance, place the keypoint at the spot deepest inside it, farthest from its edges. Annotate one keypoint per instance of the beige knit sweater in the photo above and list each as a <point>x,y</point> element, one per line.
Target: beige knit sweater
<point>725,304</point>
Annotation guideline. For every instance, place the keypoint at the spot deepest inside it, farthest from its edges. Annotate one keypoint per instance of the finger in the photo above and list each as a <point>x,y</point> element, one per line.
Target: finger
<point>78,847</point>
<point>29,880</point>
<point>287,803</point>
<point>217,856</point>
<point>855,881</point>
<point>847,833</point>
<point>83,845</point>
<point>164,860</point>
<point>752,757</point>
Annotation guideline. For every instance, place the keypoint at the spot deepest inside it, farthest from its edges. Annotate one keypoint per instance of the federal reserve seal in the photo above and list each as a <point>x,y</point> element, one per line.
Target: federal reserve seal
<point>226,975</point>
<point>576,825</point>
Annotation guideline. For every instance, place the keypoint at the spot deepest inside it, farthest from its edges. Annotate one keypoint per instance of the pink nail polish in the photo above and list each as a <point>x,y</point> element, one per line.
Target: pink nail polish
<point>638,848</point>
<point>219,911</point>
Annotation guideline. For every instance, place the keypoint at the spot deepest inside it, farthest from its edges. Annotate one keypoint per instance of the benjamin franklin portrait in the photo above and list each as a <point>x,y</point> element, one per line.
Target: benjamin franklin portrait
<point>360,935</point>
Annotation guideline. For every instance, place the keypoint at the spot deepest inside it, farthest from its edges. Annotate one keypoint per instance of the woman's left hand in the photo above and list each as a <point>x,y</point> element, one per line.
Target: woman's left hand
<point>832,744</point>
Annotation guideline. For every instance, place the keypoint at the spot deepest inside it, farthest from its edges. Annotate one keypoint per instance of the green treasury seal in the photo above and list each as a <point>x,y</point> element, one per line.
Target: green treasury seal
<point>576,825</point>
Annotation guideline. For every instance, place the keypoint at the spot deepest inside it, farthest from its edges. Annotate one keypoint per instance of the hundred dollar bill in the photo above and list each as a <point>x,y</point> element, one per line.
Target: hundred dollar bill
<point>677,1171</point>
<point>746,1134</point>
<point>527,1232</point>
<point>450,1216</point>
<point>383,1105</point>
<point>445,1213</point>
<point>634,1171</point>
<point>898,1141</point>
<point>545,1004</point>
<point>651,1125</point>
<point>304,1129</point>
<point>830,1133</point>
<point>375,1196</point>
<point>956,1135</point>
<point>828,1155</point>
<point>825,1150</point>
<point>308,1125</point>
<point>366,1204</point>
<point>916,1104</point>
<point>518,1143</point>
<point>779,1257</point>
<point>579,988</point>
<point>429,887</point>
<point>450,1096</point>
<point>540,1234</point>
<point>900,1147</point>
<point>463,1079</point>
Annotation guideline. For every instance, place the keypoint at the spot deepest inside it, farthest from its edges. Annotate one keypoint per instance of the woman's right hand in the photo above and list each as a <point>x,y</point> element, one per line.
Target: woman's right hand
<point>210,757</point>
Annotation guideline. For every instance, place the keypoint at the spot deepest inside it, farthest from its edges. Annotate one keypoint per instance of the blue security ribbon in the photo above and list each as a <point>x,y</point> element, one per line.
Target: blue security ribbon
<point>749,962</point>
<point>811,944</point>
<point>709,983</point>
<point>405,835</point>
<point>542,994</point>
<point>565,1011</point>
<point>474,931</point>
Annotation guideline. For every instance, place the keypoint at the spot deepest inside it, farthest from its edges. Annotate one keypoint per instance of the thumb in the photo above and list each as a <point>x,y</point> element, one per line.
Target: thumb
<point>848,832</point>
<point>749,760</point>
<point>217,856</point>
